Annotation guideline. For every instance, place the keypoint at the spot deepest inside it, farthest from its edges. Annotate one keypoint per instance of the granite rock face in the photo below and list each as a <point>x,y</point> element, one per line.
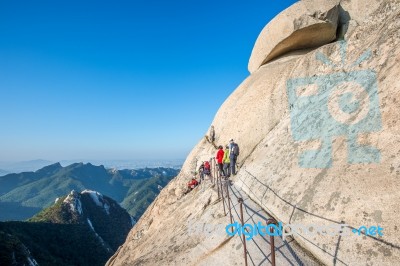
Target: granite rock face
<point>319,137</point>
<point>299,27</point>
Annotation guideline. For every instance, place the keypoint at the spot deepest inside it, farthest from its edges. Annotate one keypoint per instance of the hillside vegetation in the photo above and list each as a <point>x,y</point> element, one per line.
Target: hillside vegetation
<point>23,195</point>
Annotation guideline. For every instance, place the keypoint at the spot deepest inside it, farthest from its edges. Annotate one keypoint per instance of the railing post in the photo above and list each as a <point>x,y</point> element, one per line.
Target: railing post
<point>214,177</point>
<point>244,237</point>
<point>219,196</point>
<point>211,171</point>
<point>272,240</point>
<point>229,202</point>
<point>222,194</point>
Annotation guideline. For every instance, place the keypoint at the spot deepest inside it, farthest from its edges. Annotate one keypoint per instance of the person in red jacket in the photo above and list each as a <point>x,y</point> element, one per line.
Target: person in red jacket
<point>220,157</point>
<point>192,184</point>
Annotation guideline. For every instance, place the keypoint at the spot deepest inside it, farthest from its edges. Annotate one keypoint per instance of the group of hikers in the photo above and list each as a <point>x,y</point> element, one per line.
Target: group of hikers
<point>226,161</point>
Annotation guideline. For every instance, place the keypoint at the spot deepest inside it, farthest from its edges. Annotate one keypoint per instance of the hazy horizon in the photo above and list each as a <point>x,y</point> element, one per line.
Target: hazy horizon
<point>34,165</point>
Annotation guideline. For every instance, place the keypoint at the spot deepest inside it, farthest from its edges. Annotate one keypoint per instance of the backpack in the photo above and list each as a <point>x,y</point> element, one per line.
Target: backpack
<point>207,165</point>
<point>235,149</point>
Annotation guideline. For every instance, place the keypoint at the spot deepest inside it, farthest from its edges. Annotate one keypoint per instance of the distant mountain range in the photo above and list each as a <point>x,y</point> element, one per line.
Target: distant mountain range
<point>33,165</point>
<point>3,172</point>
<point>23,195</point>
<point>22,166</point>
<point>79,229</point>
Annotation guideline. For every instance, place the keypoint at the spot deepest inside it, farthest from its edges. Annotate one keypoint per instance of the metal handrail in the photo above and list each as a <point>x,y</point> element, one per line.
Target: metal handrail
<point>241,203</point>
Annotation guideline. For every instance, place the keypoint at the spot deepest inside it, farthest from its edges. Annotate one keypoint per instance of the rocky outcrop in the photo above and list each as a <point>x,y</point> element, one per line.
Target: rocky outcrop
<point>319,137</point>
<point>299,27</point>
<point>78,229</point>
<point>308,24</point>
<point>104,216</point>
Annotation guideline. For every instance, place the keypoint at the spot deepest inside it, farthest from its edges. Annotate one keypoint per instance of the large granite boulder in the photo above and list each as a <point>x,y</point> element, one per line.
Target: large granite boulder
<point>319,136</point>
<point>301,26</point>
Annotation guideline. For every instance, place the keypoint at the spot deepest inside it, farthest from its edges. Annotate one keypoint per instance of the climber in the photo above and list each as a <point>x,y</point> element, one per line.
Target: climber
<point>207,169</point>
<point>220,157</point>
<point>191,185</point>
<point>233,154</point>
<point>201,172</point>
<point>226,161</point>
<point>212,134</point>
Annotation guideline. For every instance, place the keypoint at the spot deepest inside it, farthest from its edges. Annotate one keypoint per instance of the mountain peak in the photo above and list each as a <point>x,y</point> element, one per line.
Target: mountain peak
<point>98,199</point>
<point>50,169</point>
<point>75,218</point>
<point>73,201</point>
<point>101,214</point>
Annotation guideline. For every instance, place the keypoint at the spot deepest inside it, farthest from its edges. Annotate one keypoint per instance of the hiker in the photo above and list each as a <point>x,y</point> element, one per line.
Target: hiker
<point>207,169</point>
<point>192,184</point>
<point>201,172</point>
<point>226,161</point>
<point>233,154</point>
<point>220,157</point>
<point>212,134</point>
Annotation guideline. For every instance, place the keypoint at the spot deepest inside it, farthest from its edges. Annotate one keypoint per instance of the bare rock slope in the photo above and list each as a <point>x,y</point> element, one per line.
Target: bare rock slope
<point>319,135</point>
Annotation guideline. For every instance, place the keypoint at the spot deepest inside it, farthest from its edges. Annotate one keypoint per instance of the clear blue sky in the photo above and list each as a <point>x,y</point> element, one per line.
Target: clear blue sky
<point>119,79</point>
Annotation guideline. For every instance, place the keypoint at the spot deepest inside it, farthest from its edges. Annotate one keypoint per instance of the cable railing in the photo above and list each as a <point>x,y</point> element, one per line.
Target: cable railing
<point>268,189</point>
<point>321,217</point>
<point>235,206</point>
<point>334,256</point>
<point>268,220</point>
<point>224,187</point>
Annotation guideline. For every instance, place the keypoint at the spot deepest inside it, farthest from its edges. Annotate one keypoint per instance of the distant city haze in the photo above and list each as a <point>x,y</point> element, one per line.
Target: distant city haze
<point>129,80</point>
